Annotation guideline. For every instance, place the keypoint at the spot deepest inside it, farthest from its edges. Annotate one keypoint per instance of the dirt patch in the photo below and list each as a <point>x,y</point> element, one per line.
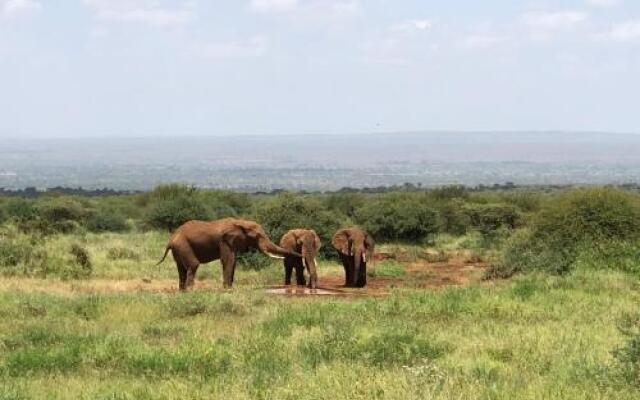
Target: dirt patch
<point>458,270</point>
<point>421,273</point>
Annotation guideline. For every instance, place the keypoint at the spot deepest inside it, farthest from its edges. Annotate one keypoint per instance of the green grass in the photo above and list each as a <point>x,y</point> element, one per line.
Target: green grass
<point>388,269</point>
<point>533,337</point>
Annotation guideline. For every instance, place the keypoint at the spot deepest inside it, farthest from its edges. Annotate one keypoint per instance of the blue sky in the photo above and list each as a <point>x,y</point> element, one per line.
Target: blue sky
<point>160,67</point>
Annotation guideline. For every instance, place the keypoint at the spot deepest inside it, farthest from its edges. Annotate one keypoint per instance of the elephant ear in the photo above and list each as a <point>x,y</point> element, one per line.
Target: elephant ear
<point>288,241</point>
<point>234,233</point>
<point>342,243</point>
<point>316,241</point>
<point>248,228</point>
<point>369,242</point>
<point>369,245</point>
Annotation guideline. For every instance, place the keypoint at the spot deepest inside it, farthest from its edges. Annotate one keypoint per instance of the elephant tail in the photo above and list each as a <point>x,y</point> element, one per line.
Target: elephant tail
<point>166,251</point>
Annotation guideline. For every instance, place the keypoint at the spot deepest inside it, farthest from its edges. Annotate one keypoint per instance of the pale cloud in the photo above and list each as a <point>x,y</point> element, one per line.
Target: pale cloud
<point>604,3</point>
<point>148,12</point>
<point>273,5</point>
<point>12,9</point>
<point>554,20</point>
<point>252,47</point>
<point>484,41</point>
<point>412,25</point>
<point>628,31</point>
<point>308,11</point>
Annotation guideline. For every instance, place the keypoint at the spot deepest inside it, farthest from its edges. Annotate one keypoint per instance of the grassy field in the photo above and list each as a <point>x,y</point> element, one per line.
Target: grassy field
<point>125,333</point>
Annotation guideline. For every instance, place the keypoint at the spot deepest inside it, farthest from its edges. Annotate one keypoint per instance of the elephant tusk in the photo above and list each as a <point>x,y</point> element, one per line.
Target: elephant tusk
<point>274,256</point>
<point>364,257</point>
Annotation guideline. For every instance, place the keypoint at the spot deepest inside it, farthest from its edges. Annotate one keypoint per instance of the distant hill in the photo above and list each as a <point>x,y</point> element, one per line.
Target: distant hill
<point>323,161</point>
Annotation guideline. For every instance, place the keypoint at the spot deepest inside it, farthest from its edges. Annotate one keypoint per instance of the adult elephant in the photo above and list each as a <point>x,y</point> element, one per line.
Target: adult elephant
<point>307,243</point>
<point>199,242</point>
<point>355,248</point>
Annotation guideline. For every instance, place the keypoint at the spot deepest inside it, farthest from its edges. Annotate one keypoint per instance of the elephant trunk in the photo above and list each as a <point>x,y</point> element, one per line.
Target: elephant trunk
<point>272,250</point>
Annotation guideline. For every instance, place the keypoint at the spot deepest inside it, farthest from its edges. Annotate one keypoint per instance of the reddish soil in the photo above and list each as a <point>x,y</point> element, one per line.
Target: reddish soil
<point>458,270</point>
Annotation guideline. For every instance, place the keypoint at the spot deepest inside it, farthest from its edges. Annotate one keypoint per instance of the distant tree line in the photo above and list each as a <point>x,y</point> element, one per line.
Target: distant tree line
<point>33,192</point>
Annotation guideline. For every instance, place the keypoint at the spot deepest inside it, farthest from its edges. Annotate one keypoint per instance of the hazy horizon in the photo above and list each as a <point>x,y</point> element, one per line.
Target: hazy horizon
<point>322,162</point>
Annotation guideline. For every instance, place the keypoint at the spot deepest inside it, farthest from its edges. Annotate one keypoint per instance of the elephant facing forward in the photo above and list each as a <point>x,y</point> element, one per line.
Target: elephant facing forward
<point>307,243</point>
<point>200,242</point>
<point>355,248</point>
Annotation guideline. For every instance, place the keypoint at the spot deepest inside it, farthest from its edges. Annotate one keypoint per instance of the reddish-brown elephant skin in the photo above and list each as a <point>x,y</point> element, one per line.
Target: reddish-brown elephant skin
<point>355,247</point>
<point>307,243</point>
<point>200,242</point>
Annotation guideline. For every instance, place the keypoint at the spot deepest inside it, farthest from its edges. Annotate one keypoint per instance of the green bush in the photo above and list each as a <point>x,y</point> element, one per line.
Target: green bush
<point>488,218</point>
<point>59,215</point>
<point>21,254</point>
<point>583,220</point>
<point>455,219</point>
<point>14,252</point>
<point>82,267</point>
<point>169,206</point>
<point>171,213</point>
<point>399,216</point>
<point>612,255</point>
<point>344,203</point>
<point>104,221</point>
<point>20,210</point>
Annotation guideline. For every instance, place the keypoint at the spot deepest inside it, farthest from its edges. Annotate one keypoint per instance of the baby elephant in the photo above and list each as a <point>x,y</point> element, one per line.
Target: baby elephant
<point>307,243</point>
<point>355,248</point>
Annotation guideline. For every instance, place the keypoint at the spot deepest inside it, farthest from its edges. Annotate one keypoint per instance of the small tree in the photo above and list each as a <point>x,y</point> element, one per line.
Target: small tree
<point>399,216</point>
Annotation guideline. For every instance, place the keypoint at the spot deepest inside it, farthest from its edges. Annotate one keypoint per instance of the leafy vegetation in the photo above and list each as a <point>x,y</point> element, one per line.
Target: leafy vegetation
<point>86,314</point>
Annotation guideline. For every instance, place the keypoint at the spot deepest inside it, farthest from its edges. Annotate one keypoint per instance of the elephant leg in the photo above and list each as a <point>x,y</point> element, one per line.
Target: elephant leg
<point>288,270</point>
<point>182,276</point>
<point>300,281</point>
<point>347,262</point>
<point>191,275</point>
<point>228,261</point>
<point>362,276</point>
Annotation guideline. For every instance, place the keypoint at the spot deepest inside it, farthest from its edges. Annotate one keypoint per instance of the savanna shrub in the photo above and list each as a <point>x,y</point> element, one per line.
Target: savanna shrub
<point>288,211</point>
<point>171,213</point>
<point>104,221</point>
<point>226,204</point>
<point>60,214</point>
<point>450,192</point>
<point>14,252</point>
<point>574,221</point>
<point>399,216</point>
<point>20,210</point>
<point>455,219</point>
<point>615,255</point>
<point>344,203</point>
<point>169,206</point>
<point>82,267</point>
<point>21,254</point>
<point>487,218</point>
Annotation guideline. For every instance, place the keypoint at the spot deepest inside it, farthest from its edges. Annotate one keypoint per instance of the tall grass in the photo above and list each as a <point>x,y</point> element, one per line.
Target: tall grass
<point>538,337</point>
